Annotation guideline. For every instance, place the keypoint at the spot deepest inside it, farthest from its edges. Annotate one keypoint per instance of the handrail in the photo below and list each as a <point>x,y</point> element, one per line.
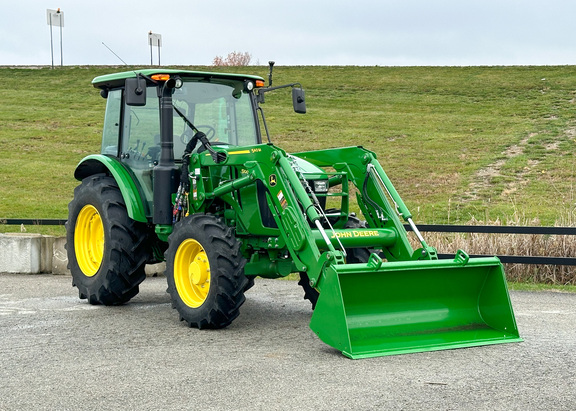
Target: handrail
<point>494,229</point>
<point>31,221</point>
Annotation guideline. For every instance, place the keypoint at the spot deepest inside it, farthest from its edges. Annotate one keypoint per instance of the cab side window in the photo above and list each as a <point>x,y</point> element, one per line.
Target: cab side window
<point>141,134</point>
<point>111,131</point>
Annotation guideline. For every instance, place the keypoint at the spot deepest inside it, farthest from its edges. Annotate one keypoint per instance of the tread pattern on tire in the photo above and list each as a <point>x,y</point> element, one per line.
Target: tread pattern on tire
<point>126,244</point>
<point>228,281</point>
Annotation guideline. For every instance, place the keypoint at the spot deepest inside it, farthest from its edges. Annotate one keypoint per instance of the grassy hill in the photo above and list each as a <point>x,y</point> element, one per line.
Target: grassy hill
<point>459,143</point>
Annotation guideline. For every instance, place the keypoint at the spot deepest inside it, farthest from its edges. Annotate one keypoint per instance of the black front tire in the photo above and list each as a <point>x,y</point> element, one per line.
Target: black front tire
<point>205,272</point>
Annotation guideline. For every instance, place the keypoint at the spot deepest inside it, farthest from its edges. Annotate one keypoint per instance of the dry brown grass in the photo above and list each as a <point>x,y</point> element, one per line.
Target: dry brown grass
<point>519,245</point>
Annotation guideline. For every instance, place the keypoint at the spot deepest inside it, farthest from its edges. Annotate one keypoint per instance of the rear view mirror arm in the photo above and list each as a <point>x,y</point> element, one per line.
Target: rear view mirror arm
<point>297,96</point>
<point>265,90</point>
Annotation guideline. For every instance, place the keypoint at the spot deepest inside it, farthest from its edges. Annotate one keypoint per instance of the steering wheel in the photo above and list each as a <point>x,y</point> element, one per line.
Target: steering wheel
<point>206,129</point>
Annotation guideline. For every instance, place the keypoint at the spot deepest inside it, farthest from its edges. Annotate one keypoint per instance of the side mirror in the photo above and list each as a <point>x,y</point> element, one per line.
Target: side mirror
<point>298,100</point>
<point>135,91</point>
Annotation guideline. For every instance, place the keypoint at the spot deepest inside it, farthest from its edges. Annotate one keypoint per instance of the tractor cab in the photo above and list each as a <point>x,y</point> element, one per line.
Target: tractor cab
<point>221,105</point>
<point>222,108</point>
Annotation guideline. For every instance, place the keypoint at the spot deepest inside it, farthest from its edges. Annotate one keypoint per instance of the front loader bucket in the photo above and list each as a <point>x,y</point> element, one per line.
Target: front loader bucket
<point>377,309</point>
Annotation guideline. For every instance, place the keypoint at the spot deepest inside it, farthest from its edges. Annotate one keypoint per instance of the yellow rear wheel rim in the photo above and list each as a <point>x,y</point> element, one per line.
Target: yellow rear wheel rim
<point>192,273</point>
<point>89,240</point>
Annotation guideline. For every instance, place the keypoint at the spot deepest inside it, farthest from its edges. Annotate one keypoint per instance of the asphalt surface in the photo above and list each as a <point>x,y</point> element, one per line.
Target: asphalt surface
<point>59,353</point>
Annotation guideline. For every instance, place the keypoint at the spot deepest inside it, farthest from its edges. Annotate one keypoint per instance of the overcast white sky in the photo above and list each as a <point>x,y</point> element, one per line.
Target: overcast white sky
<point>295,32</point>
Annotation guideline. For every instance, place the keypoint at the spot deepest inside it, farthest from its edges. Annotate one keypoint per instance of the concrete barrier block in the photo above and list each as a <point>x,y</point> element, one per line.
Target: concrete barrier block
<point>21,253</point>
<point>154,270</point>
<point>59,256</point>
<point>30,253</point>
<point>46,252</point>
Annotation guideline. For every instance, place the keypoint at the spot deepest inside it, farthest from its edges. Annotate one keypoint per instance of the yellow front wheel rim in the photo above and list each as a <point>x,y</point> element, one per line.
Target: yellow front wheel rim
<point>89,240</point>
<point>192,273</point>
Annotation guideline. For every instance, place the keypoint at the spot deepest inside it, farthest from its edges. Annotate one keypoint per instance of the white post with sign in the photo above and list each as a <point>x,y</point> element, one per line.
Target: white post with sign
<point>55,18</point>
<point>154,40</point>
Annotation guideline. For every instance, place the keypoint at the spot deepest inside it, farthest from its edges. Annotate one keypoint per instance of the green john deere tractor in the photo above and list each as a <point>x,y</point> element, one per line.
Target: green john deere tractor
<point>184,176</point>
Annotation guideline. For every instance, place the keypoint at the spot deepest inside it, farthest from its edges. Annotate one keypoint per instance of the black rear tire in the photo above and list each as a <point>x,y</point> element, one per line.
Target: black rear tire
<point>107,250</point>
<point>205,272</point>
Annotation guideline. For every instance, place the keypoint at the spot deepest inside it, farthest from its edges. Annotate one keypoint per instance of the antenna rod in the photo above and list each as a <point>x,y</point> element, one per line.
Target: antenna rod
<point>111,51</point>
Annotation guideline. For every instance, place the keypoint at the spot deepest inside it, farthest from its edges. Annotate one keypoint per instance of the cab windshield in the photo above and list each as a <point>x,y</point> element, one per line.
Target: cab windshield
<point>222,110</point>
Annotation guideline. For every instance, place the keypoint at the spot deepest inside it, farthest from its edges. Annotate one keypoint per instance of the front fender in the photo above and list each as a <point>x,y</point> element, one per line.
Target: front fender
<point>98,163</point>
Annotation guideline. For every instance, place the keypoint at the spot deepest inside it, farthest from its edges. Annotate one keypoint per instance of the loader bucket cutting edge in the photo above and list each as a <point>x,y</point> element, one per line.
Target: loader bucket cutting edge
<point>416,306</point>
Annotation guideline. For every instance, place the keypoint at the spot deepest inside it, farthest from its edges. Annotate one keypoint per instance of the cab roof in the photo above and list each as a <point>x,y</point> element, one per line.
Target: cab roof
<point>114,80</point>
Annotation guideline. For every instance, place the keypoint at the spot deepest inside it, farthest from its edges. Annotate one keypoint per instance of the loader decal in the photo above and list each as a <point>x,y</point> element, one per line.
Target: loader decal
<point>282,199</point>
<point>355,233</point>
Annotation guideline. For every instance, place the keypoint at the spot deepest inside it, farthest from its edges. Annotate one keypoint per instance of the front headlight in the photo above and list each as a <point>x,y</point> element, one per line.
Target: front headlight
<point>320,186</point>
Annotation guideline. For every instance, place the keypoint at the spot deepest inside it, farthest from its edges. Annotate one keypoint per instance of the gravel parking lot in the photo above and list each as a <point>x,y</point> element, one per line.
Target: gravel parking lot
<point>58,352</point>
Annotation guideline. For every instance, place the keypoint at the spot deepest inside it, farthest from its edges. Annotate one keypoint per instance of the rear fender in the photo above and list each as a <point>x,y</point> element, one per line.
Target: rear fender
<point>98,163</point>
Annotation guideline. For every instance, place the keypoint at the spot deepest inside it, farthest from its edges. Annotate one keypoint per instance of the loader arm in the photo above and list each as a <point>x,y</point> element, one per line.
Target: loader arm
<point>412,302</point>
<point>377,197</point>
<point>401,300</point>
<point>289,204</point>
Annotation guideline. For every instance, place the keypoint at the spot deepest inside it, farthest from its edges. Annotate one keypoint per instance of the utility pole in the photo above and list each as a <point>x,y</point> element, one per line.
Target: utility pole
<point>55,18</point>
